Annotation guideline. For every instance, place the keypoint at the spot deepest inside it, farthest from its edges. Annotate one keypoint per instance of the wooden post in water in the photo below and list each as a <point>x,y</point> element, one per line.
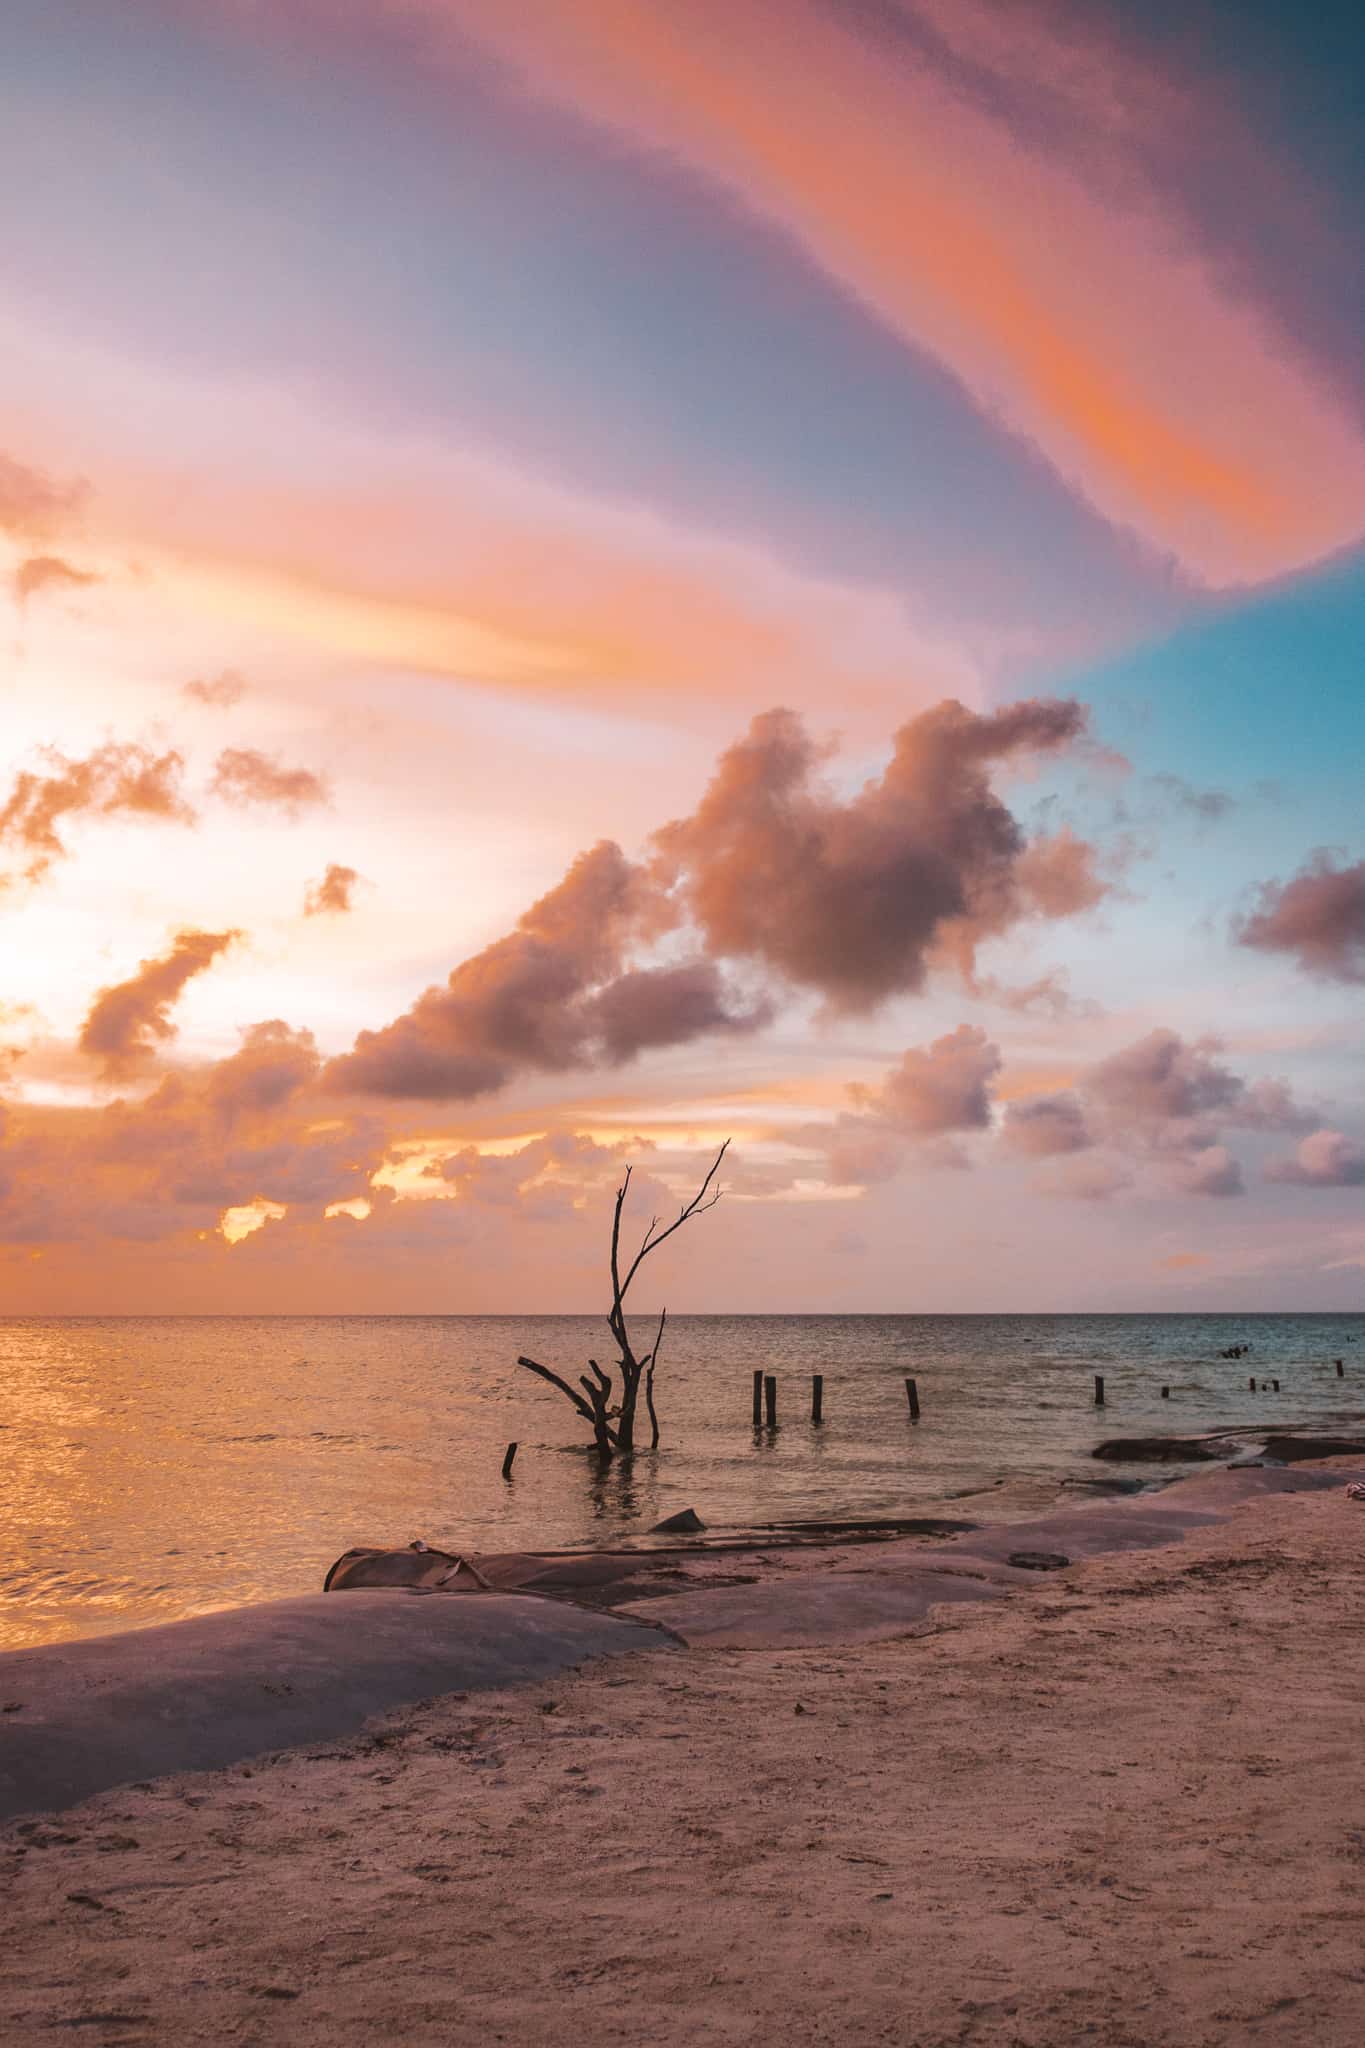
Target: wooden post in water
<point>758,1400</point>
<point>817,1397</point>
<point>1252,1385</point>
<point>912,1396</point>
<point>1165,1393</point>
<point>507,1461</point>
<point>1099,1390</point>
<point>1275,1386</point>
<point>770,1399</point>
<point>1341,1370</point>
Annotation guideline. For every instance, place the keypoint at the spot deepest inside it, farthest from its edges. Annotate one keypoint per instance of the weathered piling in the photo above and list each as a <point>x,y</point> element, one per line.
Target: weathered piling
<point>1099,1390</point>
<point>758,1399</point>
<point>1251,1385</point>
<point>817,1397</point>
<point>770,1399</point>
<point>1341,1370</point>
<point>1275,1386</point>
<point>912,1396</point>
<point>510,1454</point>
<point>1165,1393</point>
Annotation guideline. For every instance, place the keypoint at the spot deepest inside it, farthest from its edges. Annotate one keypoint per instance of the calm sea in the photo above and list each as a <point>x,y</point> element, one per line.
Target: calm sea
<point>160,1467</point>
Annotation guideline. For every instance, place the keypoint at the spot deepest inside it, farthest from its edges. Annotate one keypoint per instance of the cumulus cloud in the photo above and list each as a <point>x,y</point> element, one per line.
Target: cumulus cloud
<point>48,572</point>
<point>1046,1126</point>
<point>242,1131</point>
<point>1058,876</point>
<point>273,1064</point>
<point>1162,1086</point>
<point>244,776</point>
<point>655,1006</point>
<point>941,1087</point>
<point>219,692</point>
<point>333,895</point>
<point>934,1095</point>
<point>1163,1101</point>
<point>777,876</point>
<point>1324,1159</point>
<point>858,899</point>
<point>116,778</point>
<point>554,994</point>
<point>129,1020</point>
<point>1207,1170</point>
<point>1317,917</point>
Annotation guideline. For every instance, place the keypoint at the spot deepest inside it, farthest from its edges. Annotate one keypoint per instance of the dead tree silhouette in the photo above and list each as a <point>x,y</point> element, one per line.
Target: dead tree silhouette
<point>611,1415</point>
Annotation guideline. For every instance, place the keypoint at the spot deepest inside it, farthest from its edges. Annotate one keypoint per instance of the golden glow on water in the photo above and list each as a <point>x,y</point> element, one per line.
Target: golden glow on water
<point>161,1467</point>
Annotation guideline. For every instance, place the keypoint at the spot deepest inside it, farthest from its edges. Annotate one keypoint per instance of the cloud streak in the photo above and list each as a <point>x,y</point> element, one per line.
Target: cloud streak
<point>1061,313</point>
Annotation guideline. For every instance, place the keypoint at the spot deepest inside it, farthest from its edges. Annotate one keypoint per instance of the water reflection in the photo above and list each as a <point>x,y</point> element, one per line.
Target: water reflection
<point>165,1466</point>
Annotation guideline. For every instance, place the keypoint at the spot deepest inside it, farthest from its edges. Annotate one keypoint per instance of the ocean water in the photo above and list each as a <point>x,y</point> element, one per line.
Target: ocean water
<point>159,1467</point>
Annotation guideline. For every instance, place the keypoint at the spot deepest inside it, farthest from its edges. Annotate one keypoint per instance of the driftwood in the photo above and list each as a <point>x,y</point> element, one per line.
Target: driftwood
<point>608,1411</point>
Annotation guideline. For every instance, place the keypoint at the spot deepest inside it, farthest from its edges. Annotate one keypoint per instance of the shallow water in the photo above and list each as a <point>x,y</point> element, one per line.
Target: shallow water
<point>157,1467</point>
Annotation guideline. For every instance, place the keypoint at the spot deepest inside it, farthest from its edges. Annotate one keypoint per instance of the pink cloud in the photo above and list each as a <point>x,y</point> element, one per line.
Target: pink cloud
<point>1048,1125</point>
<point>1317,917</point>
<point>1324,1159</point>
<point>942,1087</point>
<point>856,899</point>
<point>1105,335</point>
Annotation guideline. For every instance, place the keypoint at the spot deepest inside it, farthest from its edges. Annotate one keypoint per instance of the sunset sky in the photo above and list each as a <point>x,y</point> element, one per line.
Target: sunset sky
<point>583,577</point>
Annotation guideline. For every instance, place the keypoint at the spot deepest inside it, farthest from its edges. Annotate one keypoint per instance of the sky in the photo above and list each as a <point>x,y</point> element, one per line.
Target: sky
<point>579,580</point>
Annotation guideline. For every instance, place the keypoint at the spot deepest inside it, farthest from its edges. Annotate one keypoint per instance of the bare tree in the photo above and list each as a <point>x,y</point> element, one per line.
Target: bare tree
<point>609,1413</point>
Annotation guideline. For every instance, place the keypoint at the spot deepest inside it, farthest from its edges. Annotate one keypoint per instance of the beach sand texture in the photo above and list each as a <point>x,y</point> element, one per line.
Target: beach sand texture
<point>1124,1805</point>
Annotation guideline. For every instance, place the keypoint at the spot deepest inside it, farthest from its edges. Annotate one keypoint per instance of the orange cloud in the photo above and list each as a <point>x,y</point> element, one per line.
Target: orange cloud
<point>244,775</point>
<point>48,572</point>
<point>1091,325</point>
<point>123,778</point>
<point>333,894</point>
<point>129,1019</point>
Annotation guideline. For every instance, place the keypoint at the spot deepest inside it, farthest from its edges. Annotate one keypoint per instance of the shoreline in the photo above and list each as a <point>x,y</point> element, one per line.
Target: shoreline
<point>84,1715</point>
<point>1123,1800</point>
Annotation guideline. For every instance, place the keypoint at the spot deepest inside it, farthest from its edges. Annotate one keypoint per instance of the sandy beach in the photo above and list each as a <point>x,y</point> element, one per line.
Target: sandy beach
<point>1124,1804</point>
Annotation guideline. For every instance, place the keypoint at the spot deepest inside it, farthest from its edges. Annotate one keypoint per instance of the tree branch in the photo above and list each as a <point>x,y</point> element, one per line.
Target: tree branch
<point>555,1381</point>
<point>651,1360</point>
<point>696,1207</point>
